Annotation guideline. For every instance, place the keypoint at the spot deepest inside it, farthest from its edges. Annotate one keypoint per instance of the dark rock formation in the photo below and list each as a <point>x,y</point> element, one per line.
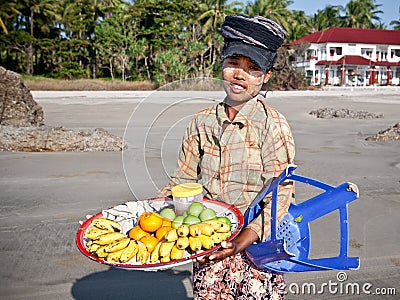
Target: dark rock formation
<point>344,113</point>
<point>17,107</point>
<point>390,134</point>
<point>22,127</point>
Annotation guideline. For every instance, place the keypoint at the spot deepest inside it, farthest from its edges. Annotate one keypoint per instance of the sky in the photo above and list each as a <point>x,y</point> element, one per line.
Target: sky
<point>390,8</point>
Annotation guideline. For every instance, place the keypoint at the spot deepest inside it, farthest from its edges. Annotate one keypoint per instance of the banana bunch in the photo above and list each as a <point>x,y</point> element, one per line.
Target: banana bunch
<point>108,242</point>
<point>192,239</point>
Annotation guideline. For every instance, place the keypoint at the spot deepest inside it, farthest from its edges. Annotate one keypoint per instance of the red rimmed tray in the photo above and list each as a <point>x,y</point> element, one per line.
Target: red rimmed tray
<point>129,213</point>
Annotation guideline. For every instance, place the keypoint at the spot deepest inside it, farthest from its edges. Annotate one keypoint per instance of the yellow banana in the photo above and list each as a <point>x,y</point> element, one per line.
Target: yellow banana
<point>114,256</point>
<point>183,230</point>
<point>142,255</point>
<point>206,241</point>
<point>216,224</point>
<point>194,243</point>
<point>182,243</point>
<point>89,244</point>
<point>94,232</point>
<point>165,248</point>
<point>93,247</point>
<point>165,259</point>
<point>171,235</point>
<point>107,224</point>
<point>217,237</point>
<point>176,253</point>
<point>225,235</point>
<point>206,229</point>
<point>194,230</point>
<point>101,252</point>
<point>129,252</point>
<point>107,238</point>
<point>118,245</point>
<point>155,255</point>
<point>224,228</point>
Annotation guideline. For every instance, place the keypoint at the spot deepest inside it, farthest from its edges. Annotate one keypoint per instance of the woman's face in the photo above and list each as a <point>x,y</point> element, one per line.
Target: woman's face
<point>243,78</point>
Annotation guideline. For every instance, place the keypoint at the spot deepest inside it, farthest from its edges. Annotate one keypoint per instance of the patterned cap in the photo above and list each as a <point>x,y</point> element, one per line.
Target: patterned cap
<point>255,37</point>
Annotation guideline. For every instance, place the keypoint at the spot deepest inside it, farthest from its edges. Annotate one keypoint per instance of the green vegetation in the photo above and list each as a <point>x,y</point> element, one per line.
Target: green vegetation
<point>153,41</point>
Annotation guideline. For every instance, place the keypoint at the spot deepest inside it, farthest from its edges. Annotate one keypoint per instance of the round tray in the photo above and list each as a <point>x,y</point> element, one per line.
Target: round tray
<point>127,215</point>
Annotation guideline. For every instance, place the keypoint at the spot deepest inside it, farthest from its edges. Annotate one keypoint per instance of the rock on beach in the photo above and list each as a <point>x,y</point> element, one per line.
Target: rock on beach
<point>344,113</point>
<point>22,125</point>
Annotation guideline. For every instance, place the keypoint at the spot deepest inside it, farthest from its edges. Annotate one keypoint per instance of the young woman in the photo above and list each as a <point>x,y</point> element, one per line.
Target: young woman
<point>233,148</point>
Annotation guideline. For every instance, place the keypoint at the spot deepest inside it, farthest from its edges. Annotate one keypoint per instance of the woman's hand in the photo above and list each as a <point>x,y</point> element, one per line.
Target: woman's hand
<point>243,240</point>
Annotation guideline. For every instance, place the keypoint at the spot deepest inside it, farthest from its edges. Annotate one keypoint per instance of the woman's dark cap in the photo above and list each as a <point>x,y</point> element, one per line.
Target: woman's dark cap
<point>257,38</point>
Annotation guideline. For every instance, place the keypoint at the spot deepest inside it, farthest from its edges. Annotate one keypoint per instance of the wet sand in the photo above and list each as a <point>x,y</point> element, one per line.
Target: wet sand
<point>43,195</point>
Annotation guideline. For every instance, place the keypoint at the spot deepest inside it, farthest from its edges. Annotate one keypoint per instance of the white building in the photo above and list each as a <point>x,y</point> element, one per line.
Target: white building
<point>350,56</point>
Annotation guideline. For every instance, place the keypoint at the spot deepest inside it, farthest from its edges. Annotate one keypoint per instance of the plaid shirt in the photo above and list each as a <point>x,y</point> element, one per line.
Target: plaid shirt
<point>233,160</point>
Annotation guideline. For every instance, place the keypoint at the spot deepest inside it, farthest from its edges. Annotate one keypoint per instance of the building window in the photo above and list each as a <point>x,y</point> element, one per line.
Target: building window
<point>366,52</point>
<point>395,52</point>
<point>335,51</point>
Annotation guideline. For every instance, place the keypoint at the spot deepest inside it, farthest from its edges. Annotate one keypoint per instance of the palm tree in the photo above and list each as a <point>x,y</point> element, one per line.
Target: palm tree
<point>273,9</point>
<point>328,17</point>
<point>212,20</point>
<point>8,11</point>
<point>300,26</point>
<point>104,8</point>
<point>396,23</point>
<point>361,13</point>
<point>215,15</point>
<point>47,9</point>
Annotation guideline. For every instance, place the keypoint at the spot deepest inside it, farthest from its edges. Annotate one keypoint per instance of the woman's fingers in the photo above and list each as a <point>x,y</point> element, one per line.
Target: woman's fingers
<point>228,250</point>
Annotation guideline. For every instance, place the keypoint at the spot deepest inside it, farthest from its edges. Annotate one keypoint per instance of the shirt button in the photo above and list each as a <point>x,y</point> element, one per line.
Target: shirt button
<point>218,177</point>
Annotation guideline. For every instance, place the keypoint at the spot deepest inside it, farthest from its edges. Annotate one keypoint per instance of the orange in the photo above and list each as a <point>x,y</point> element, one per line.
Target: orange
<point>137,233</point>
<point>162,231</point>
<point>150,222</point>
<point>166,222</point>
<point>150,242</point>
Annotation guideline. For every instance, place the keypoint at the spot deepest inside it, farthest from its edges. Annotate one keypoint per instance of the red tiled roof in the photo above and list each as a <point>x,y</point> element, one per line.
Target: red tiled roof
<point>356,60</point>
<point>351,35</point>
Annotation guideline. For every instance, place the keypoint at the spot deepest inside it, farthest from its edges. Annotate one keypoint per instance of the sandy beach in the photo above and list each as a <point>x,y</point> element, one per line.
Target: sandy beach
<point>43,195</point>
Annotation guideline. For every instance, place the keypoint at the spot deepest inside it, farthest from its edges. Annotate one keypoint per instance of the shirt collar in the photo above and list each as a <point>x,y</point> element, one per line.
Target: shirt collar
<point>242,117</point>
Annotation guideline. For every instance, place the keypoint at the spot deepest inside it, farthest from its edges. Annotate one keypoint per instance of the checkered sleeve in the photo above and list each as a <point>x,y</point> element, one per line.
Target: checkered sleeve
<point>188,160</point>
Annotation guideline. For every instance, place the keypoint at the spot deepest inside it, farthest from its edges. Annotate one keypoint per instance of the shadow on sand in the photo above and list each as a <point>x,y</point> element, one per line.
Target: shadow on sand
<point>123,284</point>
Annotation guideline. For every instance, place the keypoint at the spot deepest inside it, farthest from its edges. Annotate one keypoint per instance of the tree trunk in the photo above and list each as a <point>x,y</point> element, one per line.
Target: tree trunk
<point>111,70</point>
<point>147,68</point>
<point>29,58</point>
<point>137,67</point>
<point>29,50</point>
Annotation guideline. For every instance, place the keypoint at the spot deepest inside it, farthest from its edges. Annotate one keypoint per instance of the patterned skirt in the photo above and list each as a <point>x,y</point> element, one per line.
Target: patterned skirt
<point>236,277</point>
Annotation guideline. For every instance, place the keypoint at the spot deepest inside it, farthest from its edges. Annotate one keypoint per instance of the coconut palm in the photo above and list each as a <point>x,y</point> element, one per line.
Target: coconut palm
<point>361,14</point>
<point>8,11</point>
<point>300,26</point>
<point>47,11</point>
<point>396,23</point>
<point>273,9</point>
<point>328,17</point>
<point>217,10</point>
<point>211,20</point>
